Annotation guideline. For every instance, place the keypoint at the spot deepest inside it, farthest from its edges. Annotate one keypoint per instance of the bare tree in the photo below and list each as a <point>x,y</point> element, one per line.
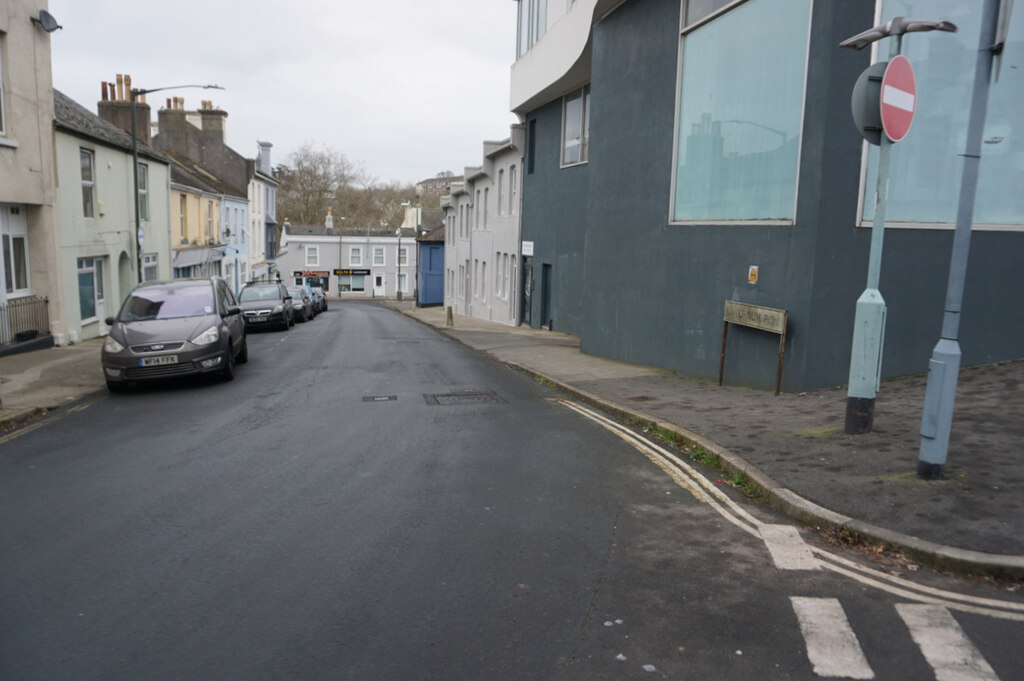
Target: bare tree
<point>311,182</point>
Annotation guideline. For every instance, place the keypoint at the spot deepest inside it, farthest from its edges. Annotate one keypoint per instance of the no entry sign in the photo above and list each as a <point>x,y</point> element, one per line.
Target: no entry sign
<point>898,98</point>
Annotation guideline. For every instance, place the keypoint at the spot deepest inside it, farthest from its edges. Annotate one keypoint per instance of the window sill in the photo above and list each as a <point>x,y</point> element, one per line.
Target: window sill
<point>5,142</point>
<point>573,165</point>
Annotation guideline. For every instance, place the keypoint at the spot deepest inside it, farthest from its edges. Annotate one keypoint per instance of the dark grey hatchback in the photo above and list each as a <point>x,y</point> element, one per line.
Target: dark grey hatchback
<point>174,328</point>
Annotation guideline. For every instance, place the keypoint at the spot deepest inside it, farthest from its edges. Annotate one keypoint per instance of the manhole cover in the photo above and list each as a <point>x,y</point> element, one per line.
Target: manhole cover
<point>465,397</point>
<point>380,398</point>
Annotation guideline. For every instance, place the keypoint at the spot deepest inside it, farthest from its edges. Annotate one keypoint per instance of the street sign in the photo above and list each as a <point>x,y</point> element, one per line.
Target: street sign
<point>899,98</point>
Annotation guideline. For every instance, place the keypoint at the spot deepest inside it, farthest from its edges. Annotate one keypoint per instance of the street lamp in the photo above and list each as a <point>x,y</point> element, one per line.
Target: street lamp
<point>133,95</point>
<point>398,257</point>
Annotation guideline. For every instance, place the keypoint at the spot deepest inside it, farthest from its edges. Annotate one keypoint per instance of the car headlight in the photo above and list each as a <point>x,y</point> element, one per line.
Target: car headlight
<point>278,309</point>
<point>206,337</point>
<point>111,345</point>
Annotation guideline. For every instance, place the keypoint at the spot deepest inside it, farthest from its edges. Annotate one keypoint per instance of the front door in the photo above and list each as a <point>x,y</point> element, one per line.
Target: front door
<point>527,296</point>
<point>378,286</point>
<point>545,296</point>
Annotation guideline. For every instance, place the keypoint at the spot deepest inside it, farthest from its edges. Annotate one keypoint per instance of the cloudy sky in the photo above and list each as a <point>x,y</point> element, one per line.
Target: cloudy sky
<point>406,88</point>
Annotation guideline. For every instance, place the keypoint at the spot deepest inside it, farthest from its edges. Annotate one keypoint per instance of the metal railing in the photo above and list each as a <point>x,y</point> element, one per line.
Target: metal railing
<point>23,319</point>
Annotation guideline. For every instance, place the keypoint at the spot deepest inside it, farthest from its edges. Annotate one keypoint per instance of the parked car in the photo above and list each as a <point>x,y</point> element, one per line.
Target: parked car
<point>319,298</point>
<point>302,303</point>
<point>174,328</point>
<point>266,304</point>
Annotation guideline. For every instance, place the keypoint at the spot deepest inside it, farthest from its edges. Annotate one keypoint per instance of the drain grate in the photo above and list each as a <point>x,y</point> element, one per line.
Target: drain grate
<point>463,397</point>
<point>380,398</point>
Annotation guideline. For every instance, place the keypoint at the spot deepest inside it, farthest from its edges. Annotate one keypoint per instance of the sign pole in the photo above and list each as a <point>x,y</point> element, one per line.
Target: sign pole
<point>944,366</point>
<point>869,320</point>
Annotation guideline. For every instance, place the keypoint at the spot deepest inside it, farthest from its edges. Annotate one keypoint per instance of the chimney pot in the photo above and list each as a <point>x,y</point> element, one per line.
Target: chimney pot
<point>120,88</point>
<point>104,84</point>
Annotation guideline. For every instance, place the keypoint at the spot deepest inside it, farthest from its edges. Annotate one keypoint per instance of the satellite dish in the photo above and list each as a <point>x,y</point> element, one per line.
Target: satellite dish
<point>47,21</point>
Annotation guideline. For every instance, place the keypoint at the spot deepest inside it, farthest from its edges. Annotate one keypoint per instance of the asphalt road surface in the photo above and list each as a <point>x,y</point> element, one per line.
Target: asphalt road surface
<point>370,500</point>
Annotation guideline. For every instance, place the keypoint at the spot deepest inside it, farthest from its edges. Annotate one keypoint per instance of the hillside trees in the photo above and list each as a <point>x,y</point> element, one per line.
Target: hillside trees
<point>315,180</point>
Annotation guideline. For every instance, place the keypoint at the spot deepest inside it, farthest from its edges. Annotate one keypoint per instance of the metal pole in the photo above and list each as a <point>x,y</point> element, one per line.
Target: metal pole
<point>869,320</point>
<point>944,366</point>
<point>132,95</point>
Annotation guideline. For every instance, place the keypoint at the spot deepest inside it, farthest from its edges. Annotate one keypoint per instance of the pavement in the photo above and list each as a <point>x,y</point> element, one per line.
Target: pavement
<point>790,448</point>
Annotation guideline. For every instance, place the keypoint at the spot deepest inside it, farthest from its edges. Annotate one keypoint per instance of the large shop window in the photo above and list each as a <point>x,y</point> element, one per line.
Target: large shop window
<point>351,282</point>
<point>924,183</point>
<point>740,113</point>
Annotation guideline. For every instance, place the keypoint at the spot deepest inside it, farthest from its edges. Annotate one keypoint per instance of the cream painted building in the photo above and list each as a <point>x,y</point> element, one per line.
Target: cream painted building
<point>27,215</point>
<point>96,262</point>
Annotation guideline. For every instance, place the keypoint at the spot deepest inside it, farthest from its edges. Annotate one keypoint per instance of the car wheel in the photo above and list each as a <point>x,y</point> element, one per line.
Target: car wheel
<point>291,320</point>
<point>243,354</point>
<point>117,387</point>
<point>227,373</point>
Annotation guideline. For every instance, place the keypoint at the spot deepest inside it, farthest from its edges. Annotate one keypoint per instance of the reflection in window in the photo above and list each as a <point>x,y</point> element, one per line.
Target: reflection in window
<point>924,183</point>
<point>576,127</point>
<point>740,113</point>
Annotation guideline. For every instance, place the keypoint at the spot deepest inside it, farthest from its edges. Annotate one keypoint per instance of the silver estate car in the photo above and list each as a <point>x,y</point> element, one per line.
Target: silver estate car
<point>174,328</point>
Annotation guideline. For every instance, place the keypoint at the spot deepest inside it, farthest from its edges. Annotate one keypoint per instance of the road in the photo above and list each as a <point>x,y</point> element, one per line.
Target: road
<point>370,500</point>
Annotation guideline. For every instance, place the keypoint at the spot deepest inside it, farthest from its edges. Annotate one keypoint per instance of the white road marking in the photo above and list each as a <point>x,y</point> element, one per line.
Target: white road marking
<point>832,647</point>
<point>787,547</point>
<point>944,644</point>
<point>689,478</point>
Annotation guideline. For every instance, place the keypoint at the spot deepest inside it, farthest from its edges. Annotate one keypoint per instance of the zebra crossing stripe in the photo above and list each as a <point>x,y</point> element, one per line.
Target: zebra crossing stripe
<point>944,644</point>
<point>787,548</point>
<point>832,647</point>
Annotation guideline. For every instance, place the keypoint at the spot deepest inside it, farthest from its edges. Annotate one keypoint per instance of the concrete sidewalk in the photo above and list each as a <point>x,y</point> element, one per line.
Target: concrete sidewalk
<point>791,446</point>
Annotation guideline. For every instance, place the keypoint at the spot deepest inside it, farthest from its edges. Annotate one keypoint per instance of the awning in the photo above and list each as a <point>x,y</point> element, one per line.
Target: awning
<point>189,257</point>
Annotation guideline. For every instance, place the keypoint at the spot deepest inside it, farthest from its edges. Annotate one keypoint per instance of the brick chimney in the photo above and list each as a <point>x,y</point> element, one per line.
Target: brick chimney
<point>172,121</point>
<point>212,124</point>
<point>115,108</point>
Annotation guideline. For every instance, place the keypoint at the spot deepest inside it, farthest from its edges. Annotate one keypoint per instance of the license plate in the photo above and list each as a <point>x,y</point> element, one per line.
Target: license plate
<point>256,320</point>
<point>158,361</point>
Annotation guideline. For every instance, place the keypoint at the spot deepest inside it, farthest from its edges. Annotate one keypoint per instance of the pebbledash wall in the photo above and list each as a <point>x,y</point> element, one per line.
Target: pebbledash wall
<point>625,259</point>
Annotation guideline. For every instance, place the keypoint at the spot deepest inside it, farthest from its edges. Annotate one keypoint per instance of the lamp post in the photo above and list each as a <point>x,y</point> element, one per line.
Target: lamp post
<point>398,257</point>
<point>133,95</point>
<point>398,254</point>
<point>944,365</point>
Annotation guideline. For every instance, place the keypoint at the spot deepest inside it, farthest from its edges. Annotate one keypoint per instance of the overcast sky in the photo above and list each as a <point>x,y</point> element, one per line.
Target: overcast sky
<point>407,88</point>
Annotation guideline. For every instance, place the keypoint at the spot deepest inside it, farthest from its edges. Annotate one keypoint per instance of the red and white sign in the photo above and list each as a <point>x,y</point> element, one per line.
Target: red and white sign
<point>898,98</point>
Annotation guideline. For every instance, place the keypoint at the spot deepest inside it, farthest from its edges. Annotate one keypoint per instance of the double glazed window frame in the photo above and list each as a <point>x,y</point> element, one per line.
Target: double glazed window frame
<point>87,160</point>
<point>575,147</point>
<point>714,10</point>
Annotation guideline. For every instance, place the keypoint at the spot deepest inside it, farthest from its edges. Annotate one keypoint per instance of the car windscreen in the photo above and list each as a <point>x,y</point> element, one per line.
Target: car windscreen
<point>251,293</point>
<point>167,303</point>
<point>296,291</point>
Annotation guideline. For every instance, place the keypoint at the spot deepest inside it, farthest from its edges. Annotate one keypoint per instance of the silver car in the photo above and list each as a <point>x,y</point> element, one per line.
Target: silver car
<point>174,328</point>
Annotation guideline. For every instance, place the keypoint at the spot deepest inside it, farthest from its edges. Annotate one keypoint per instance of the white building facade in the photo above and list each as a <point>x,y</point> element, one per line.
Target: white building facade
<point>482,235</point>
<point>353,262</point>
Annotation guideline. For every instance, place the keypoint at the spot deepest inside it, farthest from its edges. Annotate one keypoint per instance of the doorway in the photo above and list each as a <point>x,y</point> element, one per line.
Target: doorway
<point>545,297</point>
<point>527,296</point>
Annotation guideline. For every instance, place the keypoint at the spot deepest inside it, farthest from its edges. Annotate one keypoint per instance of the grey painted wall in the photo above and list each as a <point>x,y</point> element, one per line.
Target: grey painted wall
<point>634,287</point>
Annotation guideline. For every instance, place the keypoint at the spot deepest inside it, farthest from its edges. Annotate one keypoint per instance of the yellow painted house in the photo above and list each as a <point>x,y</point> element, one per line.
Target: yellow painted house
<point>195,220</point>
